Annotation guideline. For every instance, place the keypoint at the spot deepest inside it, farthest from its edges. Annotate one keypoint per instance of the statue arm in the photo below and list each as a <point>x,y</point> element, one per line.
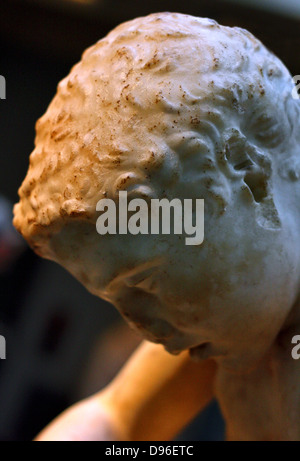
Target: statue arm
<point>153,397</point>
<point>157,394</point>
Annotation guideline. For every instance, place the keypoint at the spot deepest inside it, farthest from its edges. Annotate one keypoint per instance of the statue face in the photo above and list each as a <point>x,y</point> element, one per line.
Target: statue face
<point>197,132</point>
<point>226,298</point>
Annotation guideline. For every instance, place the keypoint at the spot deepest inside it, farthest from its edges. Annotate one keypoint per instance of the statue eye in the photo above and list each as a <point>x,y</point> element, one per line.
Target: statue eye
<point>125,181</point>
<point>140,280</point>
<point>135,186</point>
<point>141,191</point>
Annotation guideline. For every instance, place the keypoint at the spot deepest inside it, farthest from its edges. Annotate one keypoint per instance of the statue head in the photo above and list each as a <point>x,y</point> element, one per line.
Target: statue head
<point>174,106</point>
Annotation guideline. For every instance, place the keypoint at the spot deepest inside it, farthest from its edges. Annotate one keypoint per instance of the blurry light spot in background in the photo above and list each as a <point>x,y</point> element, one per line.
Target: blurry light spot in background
<point>83,2</point>
<point>70,4</point>
<point>286,7</point>
<point>55,328</point>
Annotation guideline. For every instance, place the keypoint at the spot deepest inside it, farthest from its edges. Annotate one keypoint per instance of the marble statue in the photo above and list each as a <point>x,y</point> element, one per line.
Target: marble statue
<point>179,107</point>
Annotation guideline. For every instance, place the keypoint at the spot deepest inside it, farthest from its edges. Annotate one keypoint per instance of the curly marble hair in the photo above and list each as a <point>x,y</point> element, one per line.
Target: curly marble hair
<point>157,98</point>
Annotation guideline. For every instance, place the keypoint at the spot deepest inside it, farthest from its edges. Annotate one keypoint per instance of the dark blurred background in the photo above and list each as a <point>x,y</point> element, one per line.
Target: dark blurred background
<point>62,343</point>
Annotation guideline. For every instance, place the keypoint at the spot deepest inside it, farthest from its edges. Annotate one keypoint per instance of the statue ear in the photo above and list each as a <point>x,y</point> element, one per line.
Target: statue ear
<point>254,168</point>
